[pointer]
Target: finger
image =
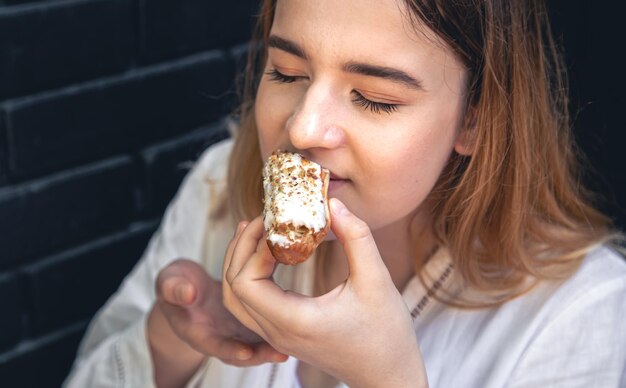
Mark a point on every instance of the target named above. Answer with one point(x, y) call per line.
point(261, 353)
point(245, 247)
point(264, 353)
point(231, 247)
point(252, 262)
point(261, 264)
point(364, 259)
point(178, 290)
point(183, 283)
point(272, 309)
point(254, 299)
point(232, 349)
point(226, 293)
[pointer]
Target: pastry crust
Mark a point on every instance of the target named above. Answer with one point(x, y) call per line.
point(296, 212)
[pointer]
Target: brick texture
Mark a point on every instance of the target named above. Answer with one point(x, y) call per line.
point(71, 286)
point(11, 305)
point(167, 163)
point(43, 362)
point(51, 44)
point(3, 152)
point(69, 207)
point(104, 106)
point(79, 124)
point(169, 29)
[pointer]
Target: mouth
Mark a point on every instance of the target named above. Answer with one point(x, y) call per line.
point(336, 183)
point(335, 177)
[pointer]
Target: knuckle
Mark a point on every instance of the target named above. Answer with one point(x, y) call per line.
point(230, 275)
point(231, 304)
point(237, 286)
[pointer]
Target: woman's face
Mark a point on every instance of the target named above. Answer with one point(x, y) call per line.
point(352, 86)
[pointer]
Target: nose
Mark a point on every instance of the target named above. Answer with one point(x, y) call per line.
point(316, 121)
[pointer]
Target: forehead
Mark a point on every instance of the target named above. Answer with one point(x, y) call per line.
point(358, 30)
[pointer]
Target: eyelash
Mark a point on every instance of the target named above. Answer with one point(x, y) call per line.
point(358, 99)
point(375, 107)
point(275, 75)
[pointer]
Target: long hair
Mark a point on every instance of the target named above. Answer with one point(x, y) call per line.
point(515, 209)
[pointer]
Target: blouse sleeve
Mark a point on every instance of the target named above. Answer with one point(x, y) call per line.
point(114, 351)
point(584, 346)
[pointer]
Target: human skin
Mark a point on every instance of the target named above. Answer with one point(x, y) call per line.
point(188, 323)
point(388, 158)
point(383, 164)
point(352, 86)
point(385, 159)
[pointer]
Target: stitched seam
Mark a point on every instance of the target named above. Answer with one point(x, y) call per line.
point(270, 382)
point(119, 364)
point(421, 305)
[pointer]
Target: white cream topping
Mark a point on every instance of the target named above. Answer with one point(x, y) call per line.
point(293, 195)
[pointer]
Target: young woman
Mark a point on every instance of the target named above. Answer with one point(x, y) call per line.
point(466, 254)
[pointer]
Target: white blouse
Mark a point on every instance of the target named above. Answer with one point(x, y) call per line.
point(562, 334)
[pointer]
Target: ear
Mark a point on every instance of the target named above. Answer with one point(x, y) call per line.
point(466, 138)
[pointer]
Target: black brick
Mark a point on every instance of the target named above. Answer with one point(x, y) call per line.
point(239, 57)
point(11, 307)
point(114, 115)
point(167, 163)
point(172, 28)
point(3, 153)
point(71, 286)
point(41, 363)
point(42, 216)
point(15, 2)
point(46, 45)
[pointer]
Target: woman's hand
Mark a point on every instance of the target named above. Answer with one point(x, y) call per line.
point(361, 332)
point(189, 322)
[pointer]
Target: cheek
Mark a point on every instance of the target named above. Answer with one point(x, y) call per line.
point(274, 105)
point(401, 178)
point(401, 185)
point(268, 120)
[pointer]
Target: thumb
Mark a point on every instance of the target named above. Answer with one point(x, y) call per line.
point(182, 283)
point(177, 290)
point(356, 237)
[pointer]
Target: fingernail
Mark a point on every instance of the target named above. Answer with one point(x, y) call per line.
point(181, 292)
point(243, 354)
point(337, 207)
point(280, 358)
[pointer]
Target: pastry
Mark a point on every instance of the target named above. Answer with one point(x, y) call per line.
point(295, 206)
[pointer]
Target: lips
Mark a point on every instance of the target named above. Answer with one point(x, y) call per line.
point(335, 177)
point(336, 183)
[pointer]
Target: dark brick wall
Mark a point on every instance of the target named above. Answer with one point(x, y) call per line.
point(593, 34)
point(103, 104)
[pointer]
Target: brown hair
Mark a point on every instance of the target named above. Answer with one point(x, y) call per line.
point(515, 210)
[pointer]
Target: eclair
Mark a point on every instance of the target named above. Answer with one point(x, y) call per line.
point(295, 206)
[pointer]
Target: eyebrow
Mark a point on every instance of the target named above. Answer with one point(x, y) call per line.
point(286, 45)
point(384, 72)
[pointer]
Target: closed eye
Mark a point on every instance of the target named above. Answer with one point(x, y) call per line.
point(373, 106)
point(277, 76)
point(358, 98)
